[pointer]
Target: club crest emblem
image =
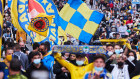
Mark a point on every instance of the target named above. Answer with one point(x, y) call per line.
point(40, 24)
point(86, 49)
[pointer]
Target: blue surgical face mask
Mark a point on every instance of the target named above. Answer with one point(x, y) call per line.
point(79, 63)
point(117, 51)
point(98, 69)
point(112, 16)
point(37, 61)
point(113, 25)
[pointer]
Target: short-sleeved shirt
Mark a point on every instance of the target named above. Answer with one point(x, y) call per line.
point(4, 69)
point(17, 76)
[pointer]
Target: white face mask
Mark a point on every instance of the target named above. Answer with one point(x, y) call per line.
point(131, 58)
point(121, 50)
point(37, 61)
point(79, 63)
point(110, 53)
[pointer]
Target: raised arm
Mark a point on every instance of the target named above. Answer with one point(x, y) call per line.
point(63, 62)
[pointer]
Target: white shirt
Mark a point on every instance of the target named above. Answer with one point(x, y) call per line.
point(122, 30)
point(6, 7)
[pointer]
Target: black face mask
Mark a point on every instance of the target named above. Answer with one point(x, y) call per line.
point(42, 52)
point(120, 64)
point(8, 31)
point(23, 49)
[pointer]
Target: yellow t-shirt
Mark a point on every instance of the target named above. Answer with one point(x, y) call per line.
point(77, 72)
point(136, 77)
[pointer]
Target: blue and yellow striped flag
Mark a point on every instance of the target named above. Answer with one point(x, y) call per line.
point(79, 21)
point(1, 23)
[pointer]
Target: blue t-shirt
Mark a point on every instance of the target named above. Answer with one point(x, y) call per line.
point(4, 69)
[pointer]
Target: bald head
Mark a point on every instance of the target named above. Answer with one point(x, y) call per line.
point(21, 44)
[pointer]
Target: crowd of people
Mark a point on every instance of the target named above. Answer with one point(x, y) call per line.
point(121, 21)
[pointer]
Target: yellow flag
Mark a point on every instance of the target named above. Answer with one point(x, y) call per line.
point(1, 23)
point(14, 16)
point(40, 24)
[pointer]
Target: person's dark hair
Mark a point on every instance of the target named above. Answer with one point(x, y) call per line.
point(34, 54)
point(80, 55)
point(135, 60)
point(35, 45)
point(10, 42)
point(130, 34)
point(46, 45)
point(134, 47)
point(17, 46)
point(15, 65)
point(99, 56)
point(67, 43)
point(133, 33)
point(3, 40)
point(135, 41)
point(9, 48)
point(110, 45)
point(130, 16)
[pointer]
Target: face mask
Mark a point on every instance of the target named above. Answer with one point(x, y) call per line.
point(110, 53)
point(121, 50)
point(8, 31)
point(98, 69)
point(113, 26)
point(112, 16)
point(42, 52)
point(79, 63)
point(120, 64)
point(117, 51)
point(22, 49)
point(9, 57)
point(37, 61)
point(131, 58)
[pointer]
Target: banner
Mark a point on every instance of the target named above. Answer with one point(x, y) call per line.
point(135, 1)
point(79, 49)
point(1, 24)
point(25, 10)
